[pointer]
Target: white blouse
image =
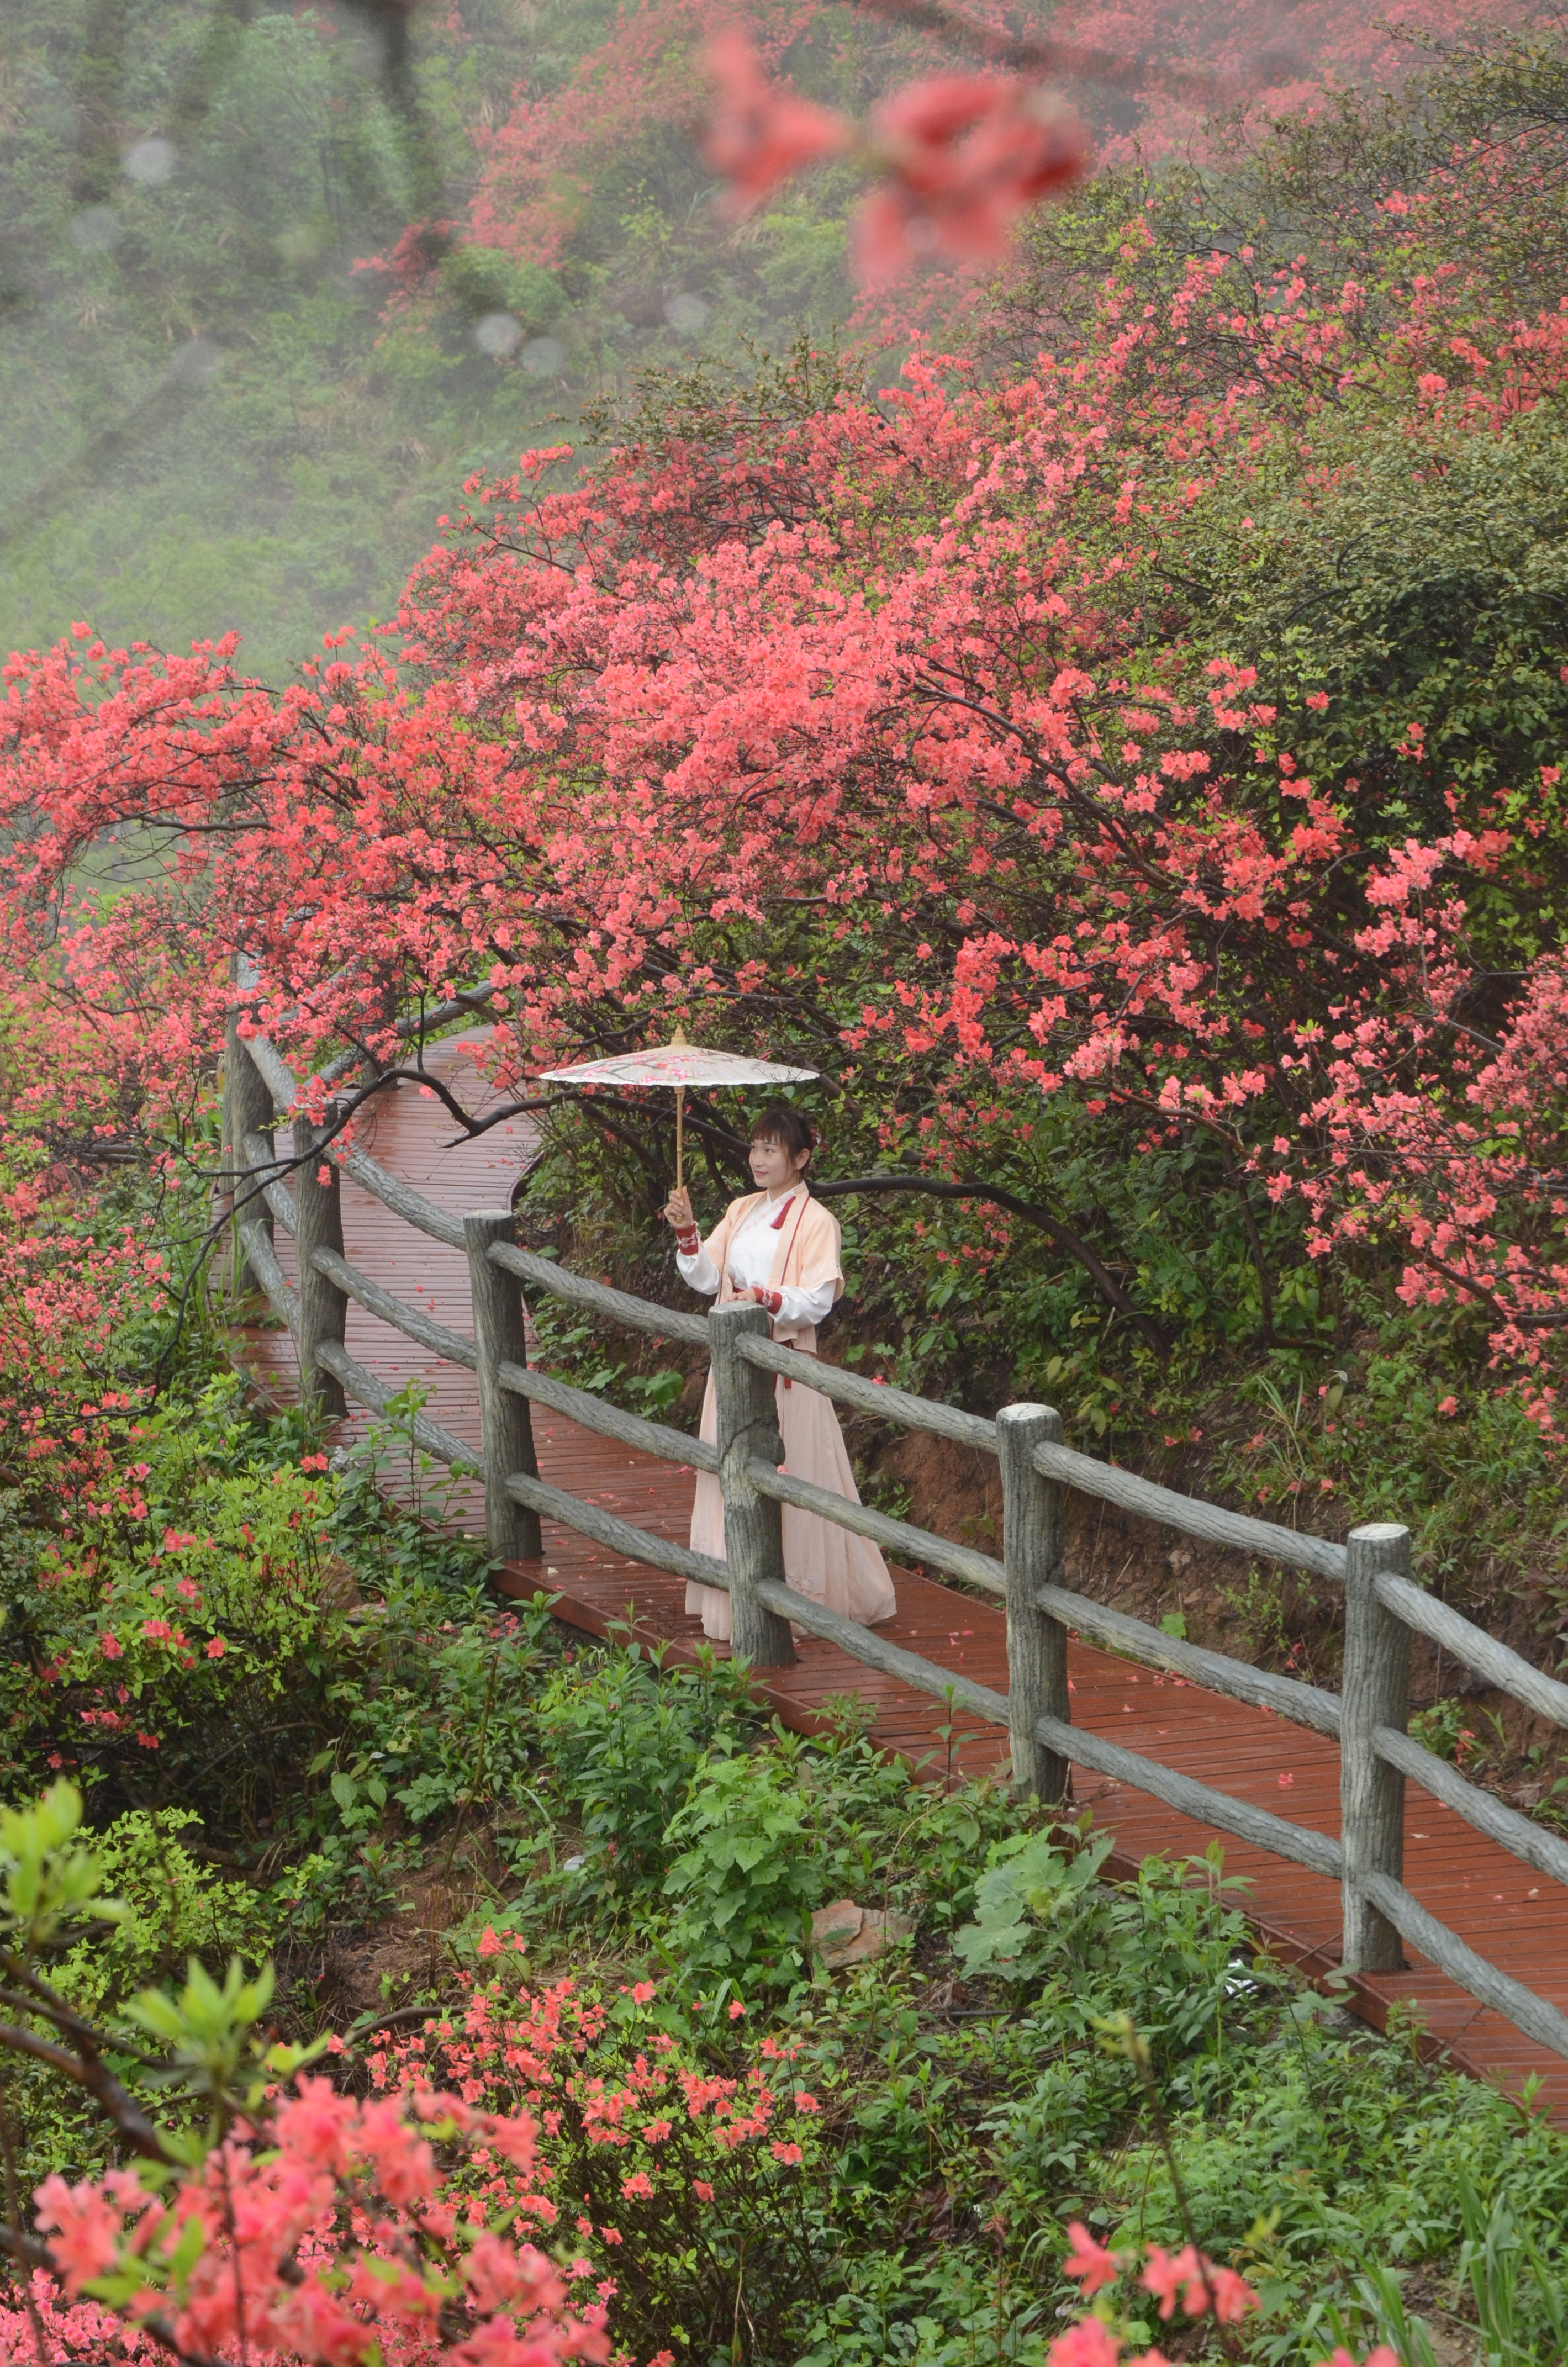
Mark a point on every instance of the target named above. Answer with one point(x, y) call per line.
point(754, 1245)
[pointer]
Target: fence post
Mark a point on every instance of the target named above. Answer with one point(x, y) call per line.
point(1376, 1692)
point(247, 1109)
point(753, 1531)
point(323, 1310)
point(1036, 1643)
point(511, 1529)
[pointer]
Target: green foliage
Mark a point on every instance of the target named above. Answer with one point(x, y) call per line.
point(171, 1907)
point(1379, 1426)
point(625, 1738)
point(50, 1885)
point(747, 1875)
point(1518, 2303)
point(1026, 1905)
point(945, 2310)
point(765, 1838)
point(102, 1925)
point(481, 279)
point(1366, 2162)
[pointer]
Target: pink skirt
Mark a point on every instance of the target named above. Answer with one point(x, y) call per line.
point(837, 1569)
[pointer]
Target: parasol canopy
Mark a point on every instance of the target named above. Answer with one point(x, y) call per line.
point(679, 1064)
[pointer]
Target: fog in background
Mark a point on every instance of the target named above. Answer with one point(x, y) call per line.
point(212, 417)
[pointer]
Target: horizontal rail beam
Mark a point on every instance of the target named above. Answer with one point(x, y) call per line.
point(622, 1536)
point(580, 1406)
point(262, 1258)
point(412, 1206)
point(1518, 1834)
point(662, 1553)
point(1302, 1705)
point(1206, 1806)
point(1536, 2016)
point(1506, 1669)
point(428, 1436)
point(615, 1305)
point(263, 1157)
point(409, 1320)
point(368, 1172)
point(864, 1643)
point(871, 1397)
point(1210, 1523)
point(902, 1536)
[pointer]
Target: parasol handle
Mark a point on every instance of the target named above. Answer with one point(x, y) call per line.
point(680, 1132)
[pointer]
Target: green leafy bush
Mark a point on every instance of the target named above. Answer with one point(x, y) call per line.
point(170, 1909)
point(746, 1876)
point(625, 1738)
point(1028, 1904)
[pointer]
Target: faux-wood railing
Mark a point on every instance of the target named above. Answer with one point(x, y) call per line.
point(1383, 1605)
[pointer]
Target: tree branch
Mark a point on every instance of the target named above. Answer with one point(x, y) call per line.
point(966, 1188)
point(86, 2071)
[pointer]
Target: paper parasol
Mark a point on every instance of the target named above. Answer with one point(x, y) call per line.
point(678, 1064)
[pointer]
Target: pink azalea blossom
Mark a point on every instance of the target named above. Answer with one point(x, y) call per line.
point(1089, 2261)
point(759, 135)
point(1090, 2343)
point(85, 2228)
point(1234, 2298)
point(966, 155)
point(1169, 2275)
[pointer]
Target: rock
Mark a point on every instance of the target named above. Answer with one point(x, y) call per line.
point(845, 1934)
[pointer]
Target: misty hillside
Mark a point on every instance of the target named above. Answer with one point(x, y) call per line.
point(270, 291)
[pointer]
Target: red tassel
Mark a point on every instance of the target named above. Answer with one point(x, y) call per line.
point(777, 1224)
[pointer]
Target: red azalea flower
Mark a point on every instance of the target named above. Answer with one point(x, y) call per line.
point(759, 135)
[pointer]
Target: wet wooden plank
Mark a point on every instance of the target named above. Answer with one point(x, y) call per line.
point(1500, 1907)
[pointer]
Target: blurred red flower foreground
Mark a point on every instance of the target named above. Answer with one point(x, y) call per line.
point(958, 158)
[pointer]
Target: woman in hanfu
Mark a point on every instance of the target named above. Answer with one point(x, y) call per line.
point(779, 1248)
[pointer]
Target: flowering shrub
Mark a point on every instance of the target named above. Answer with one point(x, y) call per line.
point(1146, 80)
point(324, 2232)
point(74, 1295)
point(1043, 883)
point(1185, 2284)
point(669, 2173)
point(960, 157)
point(281, 2214)
point(181, 1589)
point(407, 2223)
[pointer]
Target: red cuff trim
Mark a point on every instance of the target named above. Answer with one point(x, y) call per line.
point(773, 1300)
point(688, 1243)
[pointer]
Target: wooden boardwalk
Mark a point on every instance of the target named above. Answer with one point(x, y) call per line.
point(1498, 1905)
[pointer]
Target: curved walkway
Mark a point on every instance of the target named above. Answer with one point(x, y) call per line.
point(1499, 1905)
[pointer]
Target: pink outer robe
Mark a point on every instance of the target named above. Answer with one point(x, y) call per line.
point(846, 1573)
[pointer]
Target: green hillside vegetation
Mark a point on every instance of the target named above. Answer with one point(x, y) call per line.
point(205, 423)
